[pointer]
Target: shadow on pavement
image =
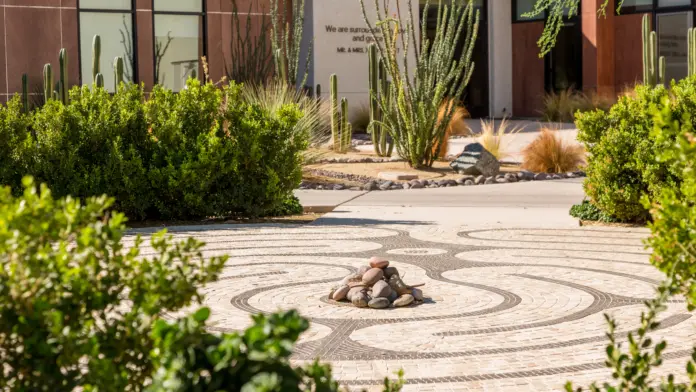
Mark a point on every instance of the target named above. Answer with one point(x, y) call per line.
point(335, 221)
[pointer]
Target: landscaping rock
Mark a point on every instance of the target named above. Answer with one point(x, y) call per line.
point(381, 289)
point(511, 177)
point(393, 296)
point(469, 183)
point(353, 292)
point(490, 180)
point(378, 262)
point(339, 187)
point(406, 185)
point(541, 177)
point(378, 303)
point(389, 271)
point(417, 294)
point(476, 160)
point(359, 300)
point(480, 180)
point(371, 186)
point(416, 185)
point(340, 293)
point(372, 276)
point(501, 181)
point(351, 278)
point(404, 300)
point(362, 270)
point(386, 185)
point(396, 176)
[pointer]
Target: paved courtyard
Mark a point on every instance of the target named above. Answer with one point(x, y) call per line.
point(515, 290)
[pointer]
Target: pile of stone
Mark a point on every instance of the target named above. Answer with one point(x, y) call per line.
point(377, 286)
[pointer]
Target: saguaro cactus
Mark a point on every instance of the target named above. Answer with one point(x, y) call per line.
point(118, 72)
point(96, 56)
point(378, 86)
point(341, 129)
point(653, 68)
point(25, 93)
point(691, 39)
point(48, 82)
point(63, 89)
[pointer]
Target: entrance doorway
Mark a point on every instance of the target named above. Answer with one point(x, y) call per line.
point(564, 63)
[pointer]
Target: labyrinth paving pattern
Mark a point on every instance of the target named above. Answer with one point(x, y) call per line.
point(505, 309)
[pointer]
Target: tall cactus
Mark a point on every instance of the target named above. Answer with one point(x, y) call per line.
point(48, 82)
point(96, 56)
point(63, 89)
point(653, 67)
point(378, 86)
point(691, 39)
point(341, 129)
point(118, 72)
point(99, 80)
point(318, 91)
point(25, 93)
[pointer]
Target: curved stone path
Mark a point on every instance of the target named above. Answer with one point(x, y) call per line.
point(511, 309)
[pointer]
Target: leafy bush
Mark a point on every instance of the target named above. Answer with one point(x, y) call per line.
point(202, 152)
point(623, 164)
point(588, 211)
point(76, 305)
point(549, 153)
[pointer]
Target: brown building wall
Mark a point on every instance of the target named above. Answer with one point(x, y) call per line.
point(629, 57)
point(32, 32)
point(528, 77)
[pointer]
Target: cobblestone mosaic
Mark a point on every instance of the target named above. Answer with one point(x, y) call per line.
point(505, 309)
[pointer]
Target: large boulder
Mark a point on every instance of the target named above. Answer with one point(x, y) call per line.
point(475, 160)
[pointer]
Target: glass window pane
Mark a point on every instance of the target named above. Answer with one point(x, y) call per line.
point(178, 48)
point(524, 6)
point(106, 4)
point(637, 3)
point(672, 3)
point(116, 32)
point(179, 5)
point(672, 43)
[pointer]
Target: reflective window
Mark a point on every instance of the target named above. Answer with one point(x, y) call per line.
point(116, 32)
point(522, 7)
point(672, 43)
point(178, 42)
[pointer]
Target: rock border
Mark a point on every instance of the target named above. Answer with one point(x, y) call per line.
point(385, 185)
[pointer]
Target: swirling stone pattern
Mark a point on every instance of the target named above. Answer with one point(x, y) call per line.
point(505, 309)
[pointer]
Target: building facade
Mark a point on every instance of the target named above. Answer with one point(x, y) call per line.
point(162, 42)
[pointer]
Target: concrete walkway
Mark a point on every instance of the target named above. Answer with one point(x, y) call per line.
point(515, 289)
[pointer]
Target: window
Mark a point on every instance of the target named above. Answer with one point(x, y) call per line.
point(113, 21)
point(672, 43)
point(521, 7)
point(179, 41)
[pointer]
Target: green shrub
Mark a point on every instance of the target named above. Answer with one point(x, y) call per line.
point(200, 153)
point(588, 211)
point(76, 306)
point(623, 165)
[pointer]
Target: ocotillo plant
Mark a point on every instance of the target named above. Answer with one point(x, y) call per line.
point(341, 129)
point(653, 68)
point(96, 56)
point(118, 72)
point(378, 86)
point(419, 92)
point(48, 82)
point(63, 89)
point(691, 39)
point(25, 93)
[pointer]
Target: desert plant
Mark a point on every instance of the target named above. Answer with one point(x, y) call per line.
point(118, 72)
point(48, 82)
point(63, 88)
point(654, 67)
point(691, 53)
point(286, 42)
point(379, 86)
point(410, 109)
point(96, 56)
point(77, 305)
point(456, 127)
point(25, 93)
point(161, 48)
point(341, 129)
point(251, 55)
point(496, 140)
point(549, 153)
point(590, 212)
point(563, 105)
point(360, 118)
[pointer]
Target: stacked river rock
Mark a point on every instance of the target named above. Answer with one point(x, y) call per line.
point(377, 286)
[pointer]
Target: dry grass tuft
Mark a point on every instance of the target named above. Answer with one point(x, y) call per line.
point(562, 106)
point(360, 118)
point(497, 140)
point(548, 153)
point(456, 127)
